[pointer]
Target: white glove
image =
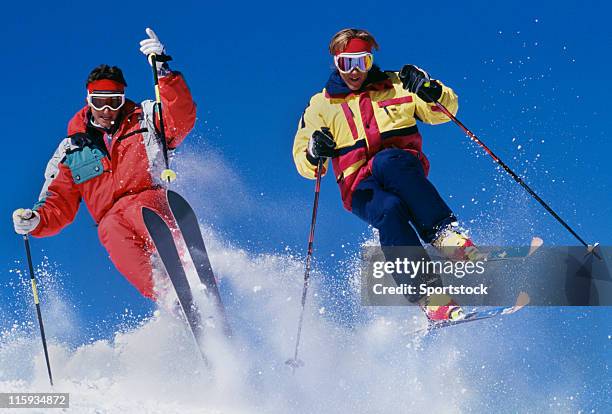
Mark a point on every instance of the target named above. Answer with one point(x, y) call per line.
point(25, 220)
point(152, 45)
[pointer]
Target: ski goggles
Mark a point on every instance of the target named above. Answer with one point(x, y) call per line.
point(101, 101)
point(346, 62)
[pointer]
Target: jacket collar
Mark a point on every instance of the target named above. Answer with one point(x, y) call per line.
point(376, 80)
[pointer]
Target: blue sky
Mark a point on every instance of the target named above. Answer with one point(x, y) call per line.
point(532, 77)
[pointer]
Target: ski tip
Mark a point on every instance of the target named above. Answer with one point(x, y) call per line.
point(536, 243)
point(522, 300)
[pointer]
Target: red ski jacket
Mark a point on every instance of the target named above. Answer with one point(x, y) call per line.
point(83, 166)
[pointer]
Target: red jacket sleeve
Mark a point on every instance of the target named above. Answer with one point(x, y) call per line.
point(59, 201)
point(178, 108)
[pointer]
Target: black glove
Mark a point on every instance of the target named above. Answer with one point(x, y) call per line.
point(321, 144)
point(80, 139)
point(414, 79)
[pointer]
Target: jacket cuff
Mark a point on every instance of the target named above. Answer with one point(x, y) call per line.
point(163, 70)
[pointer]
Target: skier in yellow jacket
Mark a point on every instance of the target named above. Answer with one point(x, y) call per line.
point(365, 121)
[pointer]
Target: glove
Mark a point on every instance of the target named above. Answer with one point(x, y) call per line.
point(152, 45)
point(321, 144)
point(416, 80)
point(80, 139)
point(25, 220)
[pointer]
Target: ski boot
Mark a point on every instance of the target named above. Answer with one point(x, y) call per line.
point(454, 243)
point(440, 308)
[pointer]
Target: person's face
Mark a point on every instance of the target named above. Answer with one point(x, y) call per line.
point(354, 79)
point(353, 67)
point(105, 118)
point(105, 107)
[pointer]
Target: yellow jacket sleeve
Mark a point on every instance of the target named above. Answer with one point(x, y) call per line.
point(429, 113)
point(311, 120)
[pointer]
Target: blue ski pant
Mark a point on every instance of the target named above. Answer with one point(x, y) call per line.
point(399, 201)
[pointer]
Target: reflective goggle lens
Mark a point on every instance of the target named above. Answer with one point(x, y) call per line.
point(101, 101)
point(347, 62)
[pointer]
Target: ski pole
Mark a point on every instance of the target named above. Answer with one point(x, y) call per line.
point(295, 362)
point(26, 240)
point(515, 176)
point(167, 174)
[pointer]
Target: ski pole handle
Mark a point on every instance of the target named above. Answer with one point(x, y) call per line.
point(30, 216)
point(159, 58)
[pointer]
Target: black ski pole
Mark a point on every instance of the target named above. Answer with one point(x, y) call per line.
point(473, 137)
point(167, 174)
point(37, 303)
point(295, 362)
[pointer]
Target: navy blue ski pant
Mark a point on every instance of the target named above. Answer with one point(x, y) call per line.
point(402, 204)
point(398, 199)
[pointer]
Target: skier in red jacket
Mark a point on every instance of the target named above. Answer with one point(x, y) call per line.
point(112, 158)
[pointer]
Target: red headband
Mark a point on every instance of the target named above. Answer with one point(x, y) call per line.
point(105, 85)
point(356, 45)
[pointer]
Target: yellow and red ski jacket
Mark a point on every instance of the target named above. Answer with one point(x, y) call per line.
point(381, 115)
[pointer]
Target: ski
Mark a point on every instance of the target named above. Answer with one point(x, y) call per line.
point(478, 314)
point(499, 254)
point(164, 243)
point(516, 252)
point(188, 224)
